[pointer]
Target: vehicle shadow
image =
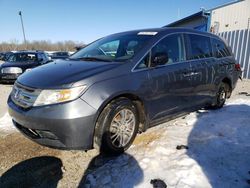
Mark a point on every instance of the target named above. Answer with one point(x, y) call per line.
point(106, 171)
point(219, 143)
point(112, 171)
point(42, 171)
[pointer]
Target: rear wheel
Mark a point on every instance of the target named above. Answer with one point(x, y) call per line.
point(117, 126)
point(221, 96)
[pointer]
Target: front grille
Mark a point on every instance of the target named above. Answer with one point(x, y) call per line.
point(24, 96)
point(9, 76)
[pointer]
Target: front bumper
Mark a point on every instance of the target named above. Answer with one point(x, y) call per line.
point(67, 126)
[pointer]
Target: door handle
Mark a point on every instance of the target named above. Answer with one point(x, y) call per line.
point(195, 73)
point(185, 74)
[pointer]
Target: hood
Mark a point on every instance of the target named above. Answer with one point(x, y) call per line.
point(62, 73)
point(23, 65)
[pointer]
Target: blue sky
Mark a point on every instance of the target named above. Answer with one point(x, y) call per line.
point(87, 20)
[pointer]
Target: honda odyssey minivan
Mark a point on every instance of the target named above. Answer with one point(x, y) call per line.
point(122, 84)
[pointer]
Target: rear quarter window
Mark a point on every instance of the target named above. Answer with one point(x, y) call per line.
point(200, 47)
point(220, 49)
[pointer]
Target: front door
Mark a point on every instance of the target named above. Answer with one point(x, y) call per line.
point(170, 85)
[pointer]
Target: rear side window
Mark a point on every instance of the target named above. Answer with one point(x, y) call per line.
point(200, 47)
point(173, 46)
point(220, 48)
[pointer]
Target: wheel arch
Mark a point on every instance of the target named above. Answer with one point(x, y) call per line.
point(139, 104)
point(228, 81)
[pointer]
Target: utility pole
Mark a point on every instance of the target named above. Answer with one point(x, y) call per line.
point(24, 38)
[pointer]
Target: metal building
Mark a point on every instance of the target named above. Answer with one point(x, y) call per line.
point(231, 17)
point(197, 21)
point(230, 21)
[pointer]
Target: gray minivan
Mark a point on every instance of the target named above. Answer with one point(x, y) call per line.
point(122, 84)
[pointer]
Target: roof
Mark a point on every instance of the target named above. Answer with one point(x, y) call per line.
point(188, 18)
point(224, 5)
point(142, 30)
point(8, 52)
point(166, 30)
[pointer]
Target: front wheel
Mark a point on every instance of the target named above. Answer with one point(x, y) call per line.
point(117, 126)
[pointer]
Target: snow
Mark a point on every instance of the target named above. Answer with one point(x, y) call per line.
point(6, 126)
point(218, 154)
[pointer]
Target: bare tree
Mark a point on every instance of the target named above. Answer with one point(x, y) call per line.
point(46, 45)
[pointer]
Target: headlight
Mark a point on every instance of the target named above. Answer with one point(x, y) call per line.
point(12, 70)
point(58, 96)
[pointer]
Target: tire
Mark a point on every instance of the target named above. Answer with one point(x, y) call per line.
point(221, 96)
point(116, 127)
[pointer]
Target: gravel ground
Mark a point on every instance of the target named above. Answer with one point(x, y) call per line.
point(27, 164)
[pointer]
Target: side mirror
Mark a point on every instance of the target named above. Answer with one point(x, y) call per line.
point(159, 58)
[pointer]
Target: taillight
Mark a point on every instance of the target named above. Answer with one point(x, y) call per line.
point(237, 67)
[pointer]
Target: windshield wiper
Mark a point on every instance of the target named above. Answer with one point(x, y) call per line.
point(91, 59)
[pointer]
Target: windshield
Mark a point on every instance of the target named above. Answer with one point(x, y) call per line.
point(4, 56)
point(22, 57)
point(113, 48)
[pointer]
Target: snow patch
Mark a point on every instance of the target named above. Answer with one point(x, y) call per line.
point(6, 125)
point(218, 154)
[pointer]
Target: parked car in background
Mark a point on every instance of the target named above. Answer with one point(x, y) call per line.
point(19, 62)
point(48, 55)
point(122, 84)
point(4, 56)
point(79, 47)
point(60, 55)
